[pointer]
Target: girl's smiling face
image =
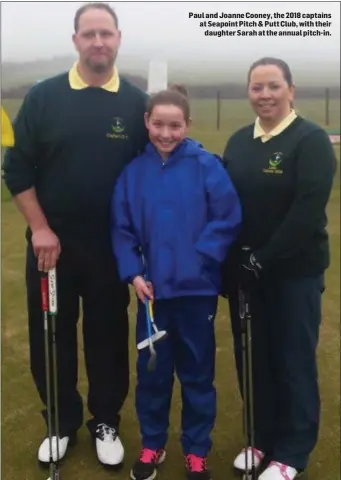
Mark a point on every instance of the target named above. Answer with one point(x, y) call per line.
point(167, 127)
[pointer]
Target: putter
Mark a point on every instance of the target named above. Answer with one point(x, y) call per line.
point(245, 317)
point(157, 335)
point(152, 337)
point(49, 306)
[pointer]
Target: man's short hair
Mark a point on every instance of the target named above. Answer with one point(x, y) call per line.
point(92, 5)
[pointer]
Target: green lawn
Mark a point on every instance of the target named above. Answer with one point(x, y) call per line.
point(22, 428)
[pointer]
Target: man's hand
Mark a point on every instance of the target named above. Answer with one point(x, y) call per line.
point(143, 289)
point(250, 270)
point(46, 248)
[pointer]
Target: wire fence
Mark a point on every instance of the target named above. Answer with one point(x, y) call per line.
point(230, 114)
point(227, 115)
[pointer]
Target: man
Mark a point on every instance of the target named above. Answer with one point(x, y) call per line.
point(74, 134)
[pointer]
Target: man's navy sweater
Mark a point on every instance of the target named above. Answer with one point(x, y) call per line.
point(71, 145)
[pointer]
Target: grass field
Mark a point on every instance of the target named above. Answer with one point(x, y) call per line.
point(22, 428)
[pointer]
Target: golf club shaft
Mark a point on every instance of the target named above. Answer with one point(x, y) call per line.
point(52, 283)
point(151, 315)
point(152, 360)
point(250, 383)
point(247, 374)
point(245, 395)
point(45, 307)
point(242, 317)
point(149, 322)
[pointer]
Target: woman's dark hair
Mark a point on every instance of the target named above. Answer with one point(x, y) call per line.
point(174, 95)
point(281, 64)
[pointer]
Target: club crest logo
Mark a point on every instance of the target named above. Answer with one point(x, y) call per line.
point(118, 129)
point(275, 164)
point(118, 125)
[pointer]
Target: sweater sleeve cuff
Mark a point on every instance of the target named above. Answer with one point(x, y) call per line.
point(16, 188)
point(131, 278)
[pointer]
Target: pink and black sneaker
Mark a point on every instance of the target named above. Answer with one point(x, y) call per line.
point(197, 467)
point(145, 468)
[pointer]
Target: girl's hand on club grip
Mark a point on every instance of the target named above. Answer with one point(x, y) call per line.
point(143, 289)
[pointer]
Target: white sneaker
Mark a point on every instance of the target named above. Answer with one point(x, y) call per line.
point(110, 451)
point(44, 449)
point(239, 461)
point(278, 471)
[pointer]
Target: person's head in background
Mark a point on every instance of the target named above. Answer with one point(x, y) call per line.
point(96, 37)
point(270, 90)
point(168, 118)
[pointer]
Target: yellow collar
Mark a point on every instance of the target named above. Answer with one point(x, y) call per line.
point(77, 83)
point(259, 132)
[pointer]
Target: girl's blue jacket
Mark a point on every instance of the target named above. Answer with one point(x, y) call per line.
point(181, 215)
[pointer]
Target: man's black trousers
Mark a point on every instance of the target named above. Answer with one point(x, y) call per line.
point(89, 274)
point(286, 317)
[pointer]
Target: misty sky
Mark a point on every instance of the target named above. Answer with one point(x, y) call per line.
point(163, 30)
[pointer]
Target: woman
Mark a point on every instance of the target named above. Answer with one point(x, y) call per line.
point(282, 167)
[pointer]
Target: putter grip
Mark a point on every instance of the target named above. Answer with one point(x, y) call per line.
point(151, 313)
point(44, 293)
point(52, 285)
point(245, 254)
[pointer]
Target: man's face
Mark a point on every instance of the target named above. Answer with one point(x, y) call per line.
point(97, 40)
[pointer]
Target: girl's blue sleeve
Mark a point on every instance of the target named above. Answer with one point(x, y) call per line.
point(125, 244)
point(224, 208)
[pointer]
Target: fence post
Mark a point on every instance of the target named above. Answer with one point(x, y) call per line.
point(218, 110)
point(327, 107)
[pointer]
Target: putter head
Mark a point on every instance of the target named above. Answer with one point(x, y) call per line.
point(159, 335)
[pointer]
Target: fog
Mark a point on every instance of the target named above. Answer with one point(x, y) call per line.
point(163, 30)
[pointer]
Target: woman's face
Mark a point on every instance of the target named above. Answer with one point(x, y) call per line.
point(269, 93)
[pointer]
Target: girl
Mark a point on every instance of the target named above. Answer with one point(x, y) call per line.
point(283, 168)
point(176, 204)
